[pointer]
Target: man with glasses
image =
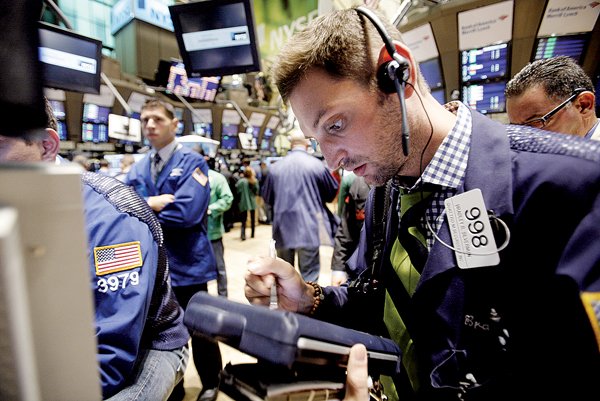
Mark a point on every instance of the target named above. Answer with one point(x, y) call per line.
point(554, 94)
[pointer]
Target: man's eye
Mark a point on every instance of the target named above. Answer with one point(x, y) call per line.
point(335, 126)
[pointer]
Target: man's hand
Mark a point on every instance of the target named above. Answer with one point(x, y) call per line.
point(293, 293)
point(357, 377)
point(158, 203)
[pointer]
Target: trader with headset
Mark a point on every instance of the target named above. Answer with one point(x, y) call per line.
point(490, 269)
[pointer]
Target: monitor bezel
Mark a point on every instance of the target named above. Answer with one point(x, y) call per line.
point(178, 10)
point(71, 85)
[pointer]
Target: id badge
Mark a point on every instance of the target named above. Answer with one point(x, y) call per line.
point(471, 231)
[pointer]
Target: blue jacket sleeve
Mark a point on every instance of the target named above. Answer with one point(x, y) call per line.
point(123, 271)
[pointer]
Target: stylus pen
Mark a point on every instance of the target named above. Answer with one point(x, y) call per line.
point(273, 302)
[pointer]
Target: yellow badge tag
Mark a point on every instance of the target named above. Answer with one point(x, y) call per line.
point(118, 257)
point(200, 177)
point(591, 302)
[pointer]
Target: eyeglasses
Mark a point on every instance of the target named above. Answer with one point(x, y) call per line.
point(542, 121)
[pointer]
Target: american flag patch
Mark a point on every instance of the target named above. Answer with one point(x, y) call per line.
point(114, 258)
point(591, 302)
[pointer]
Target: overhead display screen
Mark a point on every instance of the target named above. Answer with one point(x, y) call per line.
point(485, 97)
point(485, 63)
point(572, 46)
point(216, 37)
point(69, 61)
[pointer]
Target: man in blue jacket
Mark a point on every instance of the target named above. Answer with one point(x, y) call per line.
point(142, 341)
point(174, 181)
point(485, 269)
point(297, 189)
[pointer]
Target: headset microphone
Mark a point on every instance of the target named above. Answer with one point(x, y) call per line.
point(392, 72)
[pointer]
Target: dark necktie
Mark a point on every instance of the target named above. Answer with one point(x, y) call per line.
point(155, 164)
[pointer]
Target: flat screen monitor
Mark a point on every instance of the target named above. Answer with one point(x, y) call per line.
point(247, 141)
point(70, 61)
point(432, 72)
point(124, 129)
point(172, 76)
point(204, 129)
point(62, 130)
point(484, 63)
point(229, 141)
point(485, 97)
point(570, 45)
point(216, 37)
point(91, 132)
point(58, 108)
point(92, 113)
point(230, 129)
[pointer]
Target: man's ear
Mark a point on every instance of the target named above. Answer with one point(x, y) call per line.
point(50, 145)
point(174, 123)
point(586, 102)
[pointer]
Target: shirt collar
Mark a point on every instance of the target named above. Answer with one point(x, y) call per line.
point(592, 132)
point(166, 152)
point(448, 165)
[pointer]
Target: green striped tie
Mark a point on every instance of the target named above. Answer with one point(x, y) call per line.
point(404, 257)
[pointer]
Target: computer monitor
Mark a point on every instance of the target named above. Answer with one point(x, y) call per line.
point(484, 63)
point(432, 72)
point(229, 141)
point(172, 76)
point(124, 129)
point(70, 61)
point(573, 46)
point(92, 132)
point(230, 129)
point(63, 133)
point(205, 129)
point(216, 37)
point(247, 141)
point(48, 345)
point(92, 113)
point(485, 97)
point(58, 108)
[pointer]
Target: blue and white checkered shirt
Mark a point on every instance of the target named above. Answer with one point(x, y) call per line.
point(446, 170)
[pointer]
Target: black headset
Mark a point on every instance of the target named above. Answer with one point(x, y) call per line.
point(393, 74)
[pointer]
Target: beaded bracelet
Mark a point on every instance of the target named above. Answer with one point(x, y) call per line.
point(317, 298)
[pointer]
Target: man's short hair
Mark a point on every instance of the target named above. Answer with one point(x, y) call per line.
point(158, 104)
point(51, 118)
point(343, 43)
point(558, 76)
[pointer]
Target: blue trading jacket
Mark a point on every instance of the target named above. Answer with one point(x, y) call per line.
point(135, 307)
point(184, 222)
point(297, 187)
point(529, 326)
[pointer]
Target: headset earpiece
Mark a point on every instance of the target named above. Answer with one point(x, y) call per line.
point(384, 81)
point(386, 67)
